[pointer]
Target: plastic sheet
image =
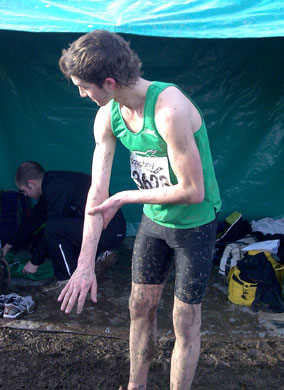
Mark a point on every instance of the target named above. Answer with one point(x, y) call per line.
point(238, 85)
point(182, 18)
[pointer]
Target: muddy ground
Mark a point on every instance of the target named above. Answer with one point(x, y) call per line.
point(240, 350)
point(40, 360)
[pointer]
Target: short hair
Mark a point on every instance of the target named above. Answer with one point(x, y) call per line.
point(100, 54)
point(28, 170)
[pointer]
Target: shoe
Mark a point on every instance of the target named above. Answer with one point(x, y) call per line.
point(19, 306)
point(56, 286)
point(104, 261)
point(6, 299)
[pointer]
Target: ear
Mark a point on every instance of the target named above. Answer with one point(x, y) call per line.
point(110, 83)
point(31, 183)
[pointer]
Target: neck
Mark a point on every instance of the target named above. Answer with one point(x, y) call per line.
point(133, 97)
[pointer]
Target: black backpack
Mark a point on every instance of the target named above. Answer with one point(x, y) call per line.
point(5, 273)
point(258, 269)
point(14, 208)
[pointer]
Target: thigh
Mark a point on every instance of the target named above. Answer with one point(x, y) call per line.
point(152, 257)
point(114, 234)
point(68, 229)
point(193, 260)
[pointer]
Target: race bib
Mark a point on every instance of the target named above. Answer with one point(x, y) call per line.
point(149, 172)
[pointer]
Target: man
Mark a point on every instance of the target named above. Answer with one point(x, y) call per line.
point(61, 205)
point(172, 165)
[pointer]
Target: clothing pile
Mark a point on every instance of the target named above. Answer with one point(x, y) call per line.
point(14, 306)
point(252, 261)
point(17, 262)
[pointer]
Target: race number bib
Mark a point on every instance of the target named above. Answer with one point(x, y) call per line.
point(149, 172)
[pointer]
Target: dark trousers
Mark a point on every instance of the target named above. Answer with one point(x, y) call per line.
point(63, 239)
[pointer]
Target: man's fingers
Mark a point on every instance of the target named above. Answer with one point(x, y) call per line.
point(77, 290)
point(82, 299)
point(94, 292)
point(69, 298)
point(63, 291)
point(94, 210)
point(69, 301)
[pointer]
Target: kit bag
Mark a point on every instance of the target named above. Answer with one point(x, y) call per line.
point(256, 281)
point(5, 273)
point(278, 267)
point(240, 292)
point(14, 208)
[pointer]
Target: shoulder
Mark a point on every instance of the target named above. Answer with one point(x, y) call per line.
point(173, 108)
point(51, 177)
point(102, 123)
point(103, 115)
point(172, 99)
point(52, 181)
point(59, 182)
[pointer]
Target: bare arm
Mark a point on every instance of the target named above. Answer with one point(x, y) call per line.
point(84, 278)
point(176, 122)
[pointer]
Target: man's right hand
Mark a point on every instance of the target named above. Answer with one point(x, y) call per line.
point(6, 249)
point(77, 288)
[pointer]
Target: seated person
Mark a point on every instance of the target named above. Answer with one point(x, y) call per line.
point(61, 197)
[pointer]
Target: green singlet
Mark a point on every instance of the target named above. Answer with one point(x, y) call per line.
point(150, 166)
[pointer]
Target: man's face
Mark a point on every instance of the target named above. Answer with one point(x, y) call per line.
point(101, 96)
point(31, 189)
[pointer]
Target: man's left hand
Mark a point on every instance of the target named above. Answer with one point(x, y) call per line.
point(108, 209)
point(30, 268)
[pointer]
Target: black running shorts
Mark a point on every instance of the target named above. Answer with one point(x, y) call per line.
point(157, 247)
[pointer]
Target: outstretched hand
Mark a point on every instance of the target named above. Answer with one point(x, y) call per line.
point(77, 289)
point(108, 209)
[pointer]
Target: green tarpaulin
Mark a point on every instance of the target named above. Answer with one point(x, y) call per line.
point(238, 84)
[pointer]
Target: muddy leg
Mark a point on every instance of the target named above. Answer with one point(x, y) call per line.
point(187, 321)
point(143, 304)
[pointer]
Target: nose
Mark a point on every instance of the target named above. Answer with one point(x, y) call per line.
point(82, 92)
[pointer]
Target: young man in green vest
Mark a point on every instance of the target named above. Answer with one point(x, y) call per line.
point(172, 166)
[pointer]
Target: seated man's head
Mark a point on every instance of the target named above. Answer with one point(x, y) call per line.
point(28, 178)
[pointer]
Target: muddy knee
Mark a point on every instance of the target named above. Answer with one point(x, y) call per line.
point(186, 320)
point(139, 307)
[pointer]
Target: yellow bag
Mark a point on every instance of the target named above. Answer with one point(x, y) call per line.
point(240, 292)
point(243, 293)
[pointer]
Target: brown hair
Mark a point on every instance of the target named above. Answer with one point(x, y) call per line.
point(28, 170)
point(100, 54)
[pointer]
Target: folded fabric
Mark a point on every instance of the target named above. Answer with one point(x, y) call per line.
point(232, 254)
point(17, 263)
point(268, 225)
point(270, 246)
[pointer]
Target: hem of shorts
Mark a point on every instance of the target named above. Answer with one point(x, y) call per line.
point(172, 226)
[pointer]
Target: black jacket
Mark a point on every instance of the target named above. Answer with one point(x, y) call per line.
point(64, 194)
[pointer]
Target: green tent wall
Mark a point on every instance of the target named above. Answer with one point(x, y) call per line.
point(238, 84)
